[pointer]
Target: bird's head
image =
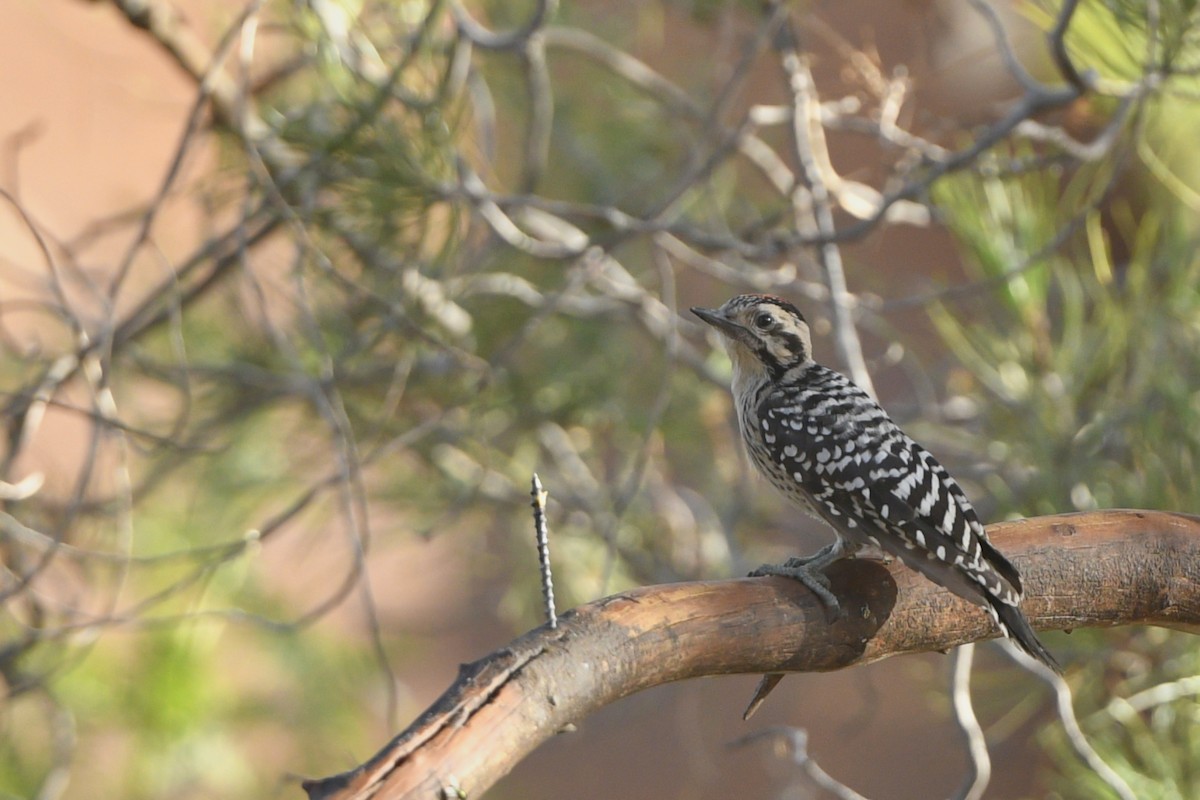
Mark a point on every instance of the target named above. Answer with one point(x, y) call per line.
point(762, 334)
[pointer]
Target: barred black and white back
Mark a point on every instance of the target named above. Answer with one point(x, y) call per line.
point(830, 448)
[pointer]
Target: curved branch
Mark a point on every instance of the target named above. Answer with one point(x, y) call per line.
point(1081, 570)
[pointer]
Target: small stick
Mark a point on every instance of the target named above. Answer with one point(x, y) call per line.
point(768, 682)
point(543, 547)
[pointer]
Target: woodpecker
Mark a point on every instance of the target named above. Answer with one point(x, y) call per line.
point(830, 449)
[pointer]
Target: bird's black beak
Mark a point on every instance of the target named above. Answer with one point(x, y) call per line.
point(726, 326)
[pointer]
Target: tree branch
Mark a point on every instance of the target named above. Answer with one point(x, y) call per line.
point(1081, 570)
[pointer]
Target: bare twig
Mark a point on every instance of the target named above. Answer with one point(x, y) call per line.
point(543, 549)
point(509, 40)
point(796, 742)
point(1057, 36)
point(964, 716)
point(1066, 715)
point(812, 156)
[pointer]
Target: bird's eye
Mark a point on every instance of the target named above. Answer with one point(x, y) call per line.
point(764, 321)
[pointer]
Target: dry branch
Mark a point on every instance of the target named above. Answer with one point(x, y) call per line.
point(1081, 570)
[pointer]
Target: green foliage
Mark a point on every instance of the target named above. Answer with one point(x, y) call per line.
point(1113, 40)
point(1073, 354)
point(1141, 715)
point(1083, 359)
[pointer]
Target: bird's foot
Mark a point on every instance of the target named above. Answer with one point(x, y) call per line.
point(809, 570)
point(808, 573)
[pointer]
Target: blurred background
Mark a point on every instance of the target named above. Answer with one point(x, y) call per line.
point(295, 296)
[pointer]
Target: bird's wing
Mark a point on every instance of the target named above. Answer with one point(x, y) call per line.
point(875, 483)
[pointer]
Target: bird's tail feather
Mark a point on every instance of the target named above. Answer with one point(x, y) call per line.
point(1015, 626)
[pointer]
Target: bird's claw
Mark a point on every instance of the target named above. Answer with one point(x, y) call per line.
point(800, 569)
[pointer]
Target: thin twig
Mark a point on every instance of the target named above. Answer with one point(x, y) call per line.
point(542, 533)
point(1058, 47)
point(796, 741)
point(812, 156)
point(964, 716)
point(1066, 714)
